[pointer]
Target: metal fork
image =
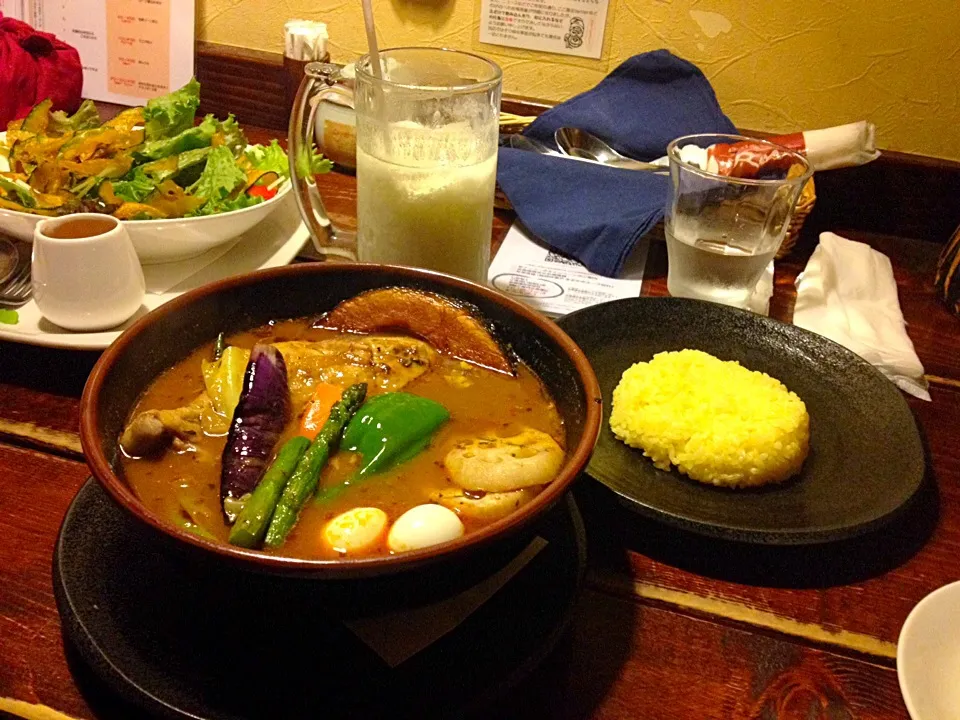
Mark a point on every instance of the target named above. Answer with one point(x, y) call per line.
point(16, 291)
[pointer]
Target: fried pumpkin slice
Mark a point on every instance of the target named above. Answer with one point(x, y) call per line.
point(126, 121)
point(138, 211)
point(172, 200)
point(451, 327)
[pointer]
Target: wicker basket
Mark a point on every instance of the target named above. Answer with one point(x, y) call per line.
point(948, 273)
point(808, 197)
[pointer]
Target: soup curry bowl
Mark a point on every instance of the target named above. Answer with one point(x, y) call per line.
point(254, 309)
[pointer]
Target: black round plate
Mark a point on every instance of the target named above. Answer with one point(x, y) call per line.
point(182, 640)
point(866, 459)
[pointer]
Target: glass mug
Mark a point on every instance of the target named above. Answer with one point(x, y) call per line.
point(427, 134)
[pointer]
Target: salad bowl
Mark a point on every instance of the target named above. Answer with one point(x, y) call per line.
point(180, 185)
point(168, 239)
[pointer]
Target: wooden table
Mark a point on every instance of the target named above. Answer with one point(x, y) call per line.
point(669, 626)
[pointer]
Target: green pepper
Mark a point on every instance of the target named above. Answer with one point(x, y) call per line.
point(392, 428)
point(388, 430)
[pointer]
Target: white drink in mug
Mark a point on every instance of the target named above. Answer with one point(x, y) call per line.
point(425, 198)
point(427, 131)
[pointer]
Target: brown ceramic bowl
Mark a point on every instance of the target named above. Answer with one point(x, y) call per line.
point(166, 335)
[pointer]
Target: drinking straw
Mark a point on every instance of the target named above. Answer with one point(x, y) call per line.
point(374, 53)
point(372, 38)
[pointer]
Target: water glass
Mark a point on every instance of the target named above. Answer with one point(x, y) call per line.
point(722, 231)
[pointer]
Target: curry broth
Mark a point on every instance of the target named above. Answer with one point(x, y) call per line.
point(184, 486)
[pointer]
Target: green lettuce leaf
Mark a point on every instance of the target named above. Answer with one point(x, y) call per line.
point(169, 115)
point(136, 188)
point(269, 158)
point(238, 203)
point(310, 162)
point(9, 317)
point(189, 139)
point(272, 158)
point(86, 117)
point(219, 178)
point(20, 189)
point(160, 170)
point(233, 136)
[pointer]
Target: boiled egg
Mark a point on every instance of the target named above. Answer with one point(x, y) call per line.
point(423, 526)
point(356, 531)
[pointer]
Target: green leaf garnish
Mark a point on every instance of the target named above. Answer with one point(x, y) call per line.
point(171, 114)
point(311, 162)
point(238, 203)
point(219, 178)
point(269, 158)
point(233, 136)
point(189, 139)
point(135, 189)
point(86, 117)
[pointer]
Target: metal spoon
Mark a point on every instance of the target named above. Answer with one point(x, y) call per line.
point(581, 144)
point(9, 259)
point(522, 142)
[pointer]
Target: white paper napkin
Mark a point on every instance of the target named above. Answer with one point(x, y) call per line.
point(847, 293)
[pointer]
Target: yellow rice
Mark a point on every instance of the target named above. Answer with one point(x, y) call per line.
point(715, 420)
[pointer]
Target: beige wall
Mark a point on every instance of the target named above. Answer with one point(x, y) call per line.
point(777, 65)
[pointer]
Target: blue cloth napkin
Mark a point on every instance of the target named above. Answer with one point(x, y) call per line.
point(597, 214)
point(593, 213)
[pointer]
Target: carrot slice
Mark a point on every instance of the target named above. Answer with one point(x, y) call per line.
point(325, 396)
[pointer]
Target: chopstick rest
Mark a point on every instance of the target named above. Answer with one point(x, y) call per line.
point(848, 293)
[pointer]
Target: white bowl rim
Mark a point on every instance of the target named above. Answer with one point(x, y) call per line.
point(907, 629)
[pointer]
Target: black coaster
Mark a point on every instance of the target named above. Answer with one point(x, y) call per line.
point(185, 639)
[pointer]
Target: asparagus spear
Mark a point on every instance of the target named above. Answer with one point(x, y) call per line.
point(252, 523)
point(307, 474)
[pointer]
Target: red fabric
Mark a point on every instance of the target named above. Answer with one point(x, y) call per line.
point(35, 66)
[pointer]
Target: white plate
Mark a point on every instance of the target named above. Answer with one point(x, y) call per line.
point(275, 241)
point(928, 656)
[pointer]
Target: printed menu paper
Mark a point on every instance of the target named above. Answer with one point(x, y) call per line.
point(554, 284)
point(568, 27)
point(131, 50)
